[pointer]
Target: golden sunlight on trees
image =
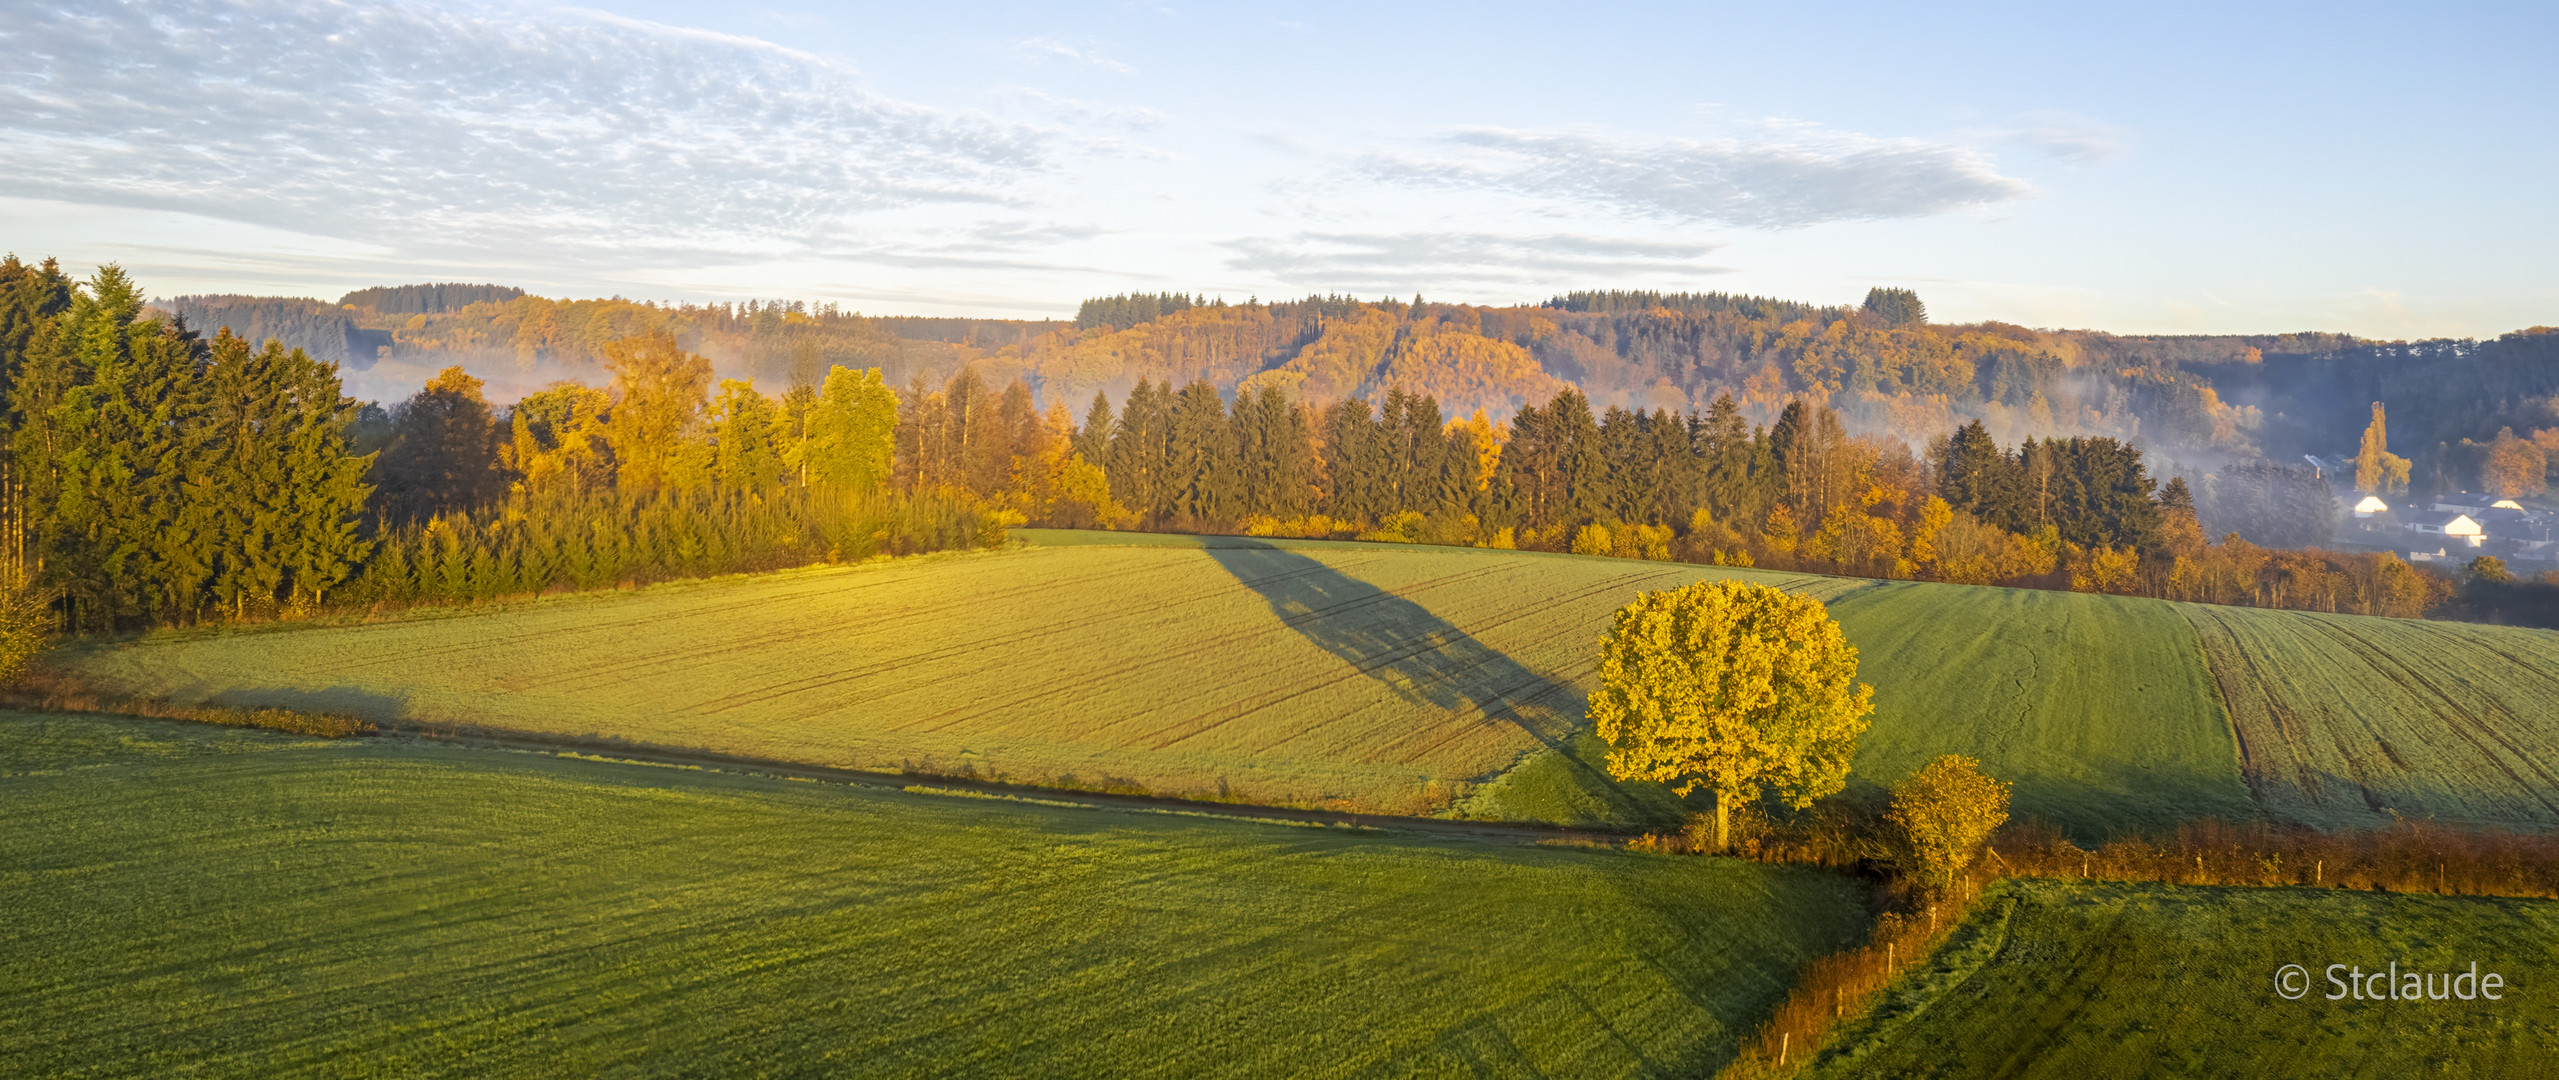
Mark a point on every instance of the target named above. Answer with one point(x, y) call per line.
point(1741, 689)
point(1942, 813)
point(2377, 470)
point(559, 439)
point(849, 431)
point(2514, 466)
point(26, 621)
point(658, 393)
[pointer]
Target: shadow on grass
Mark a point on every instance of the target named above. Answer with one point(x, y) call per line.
point(1427, 660)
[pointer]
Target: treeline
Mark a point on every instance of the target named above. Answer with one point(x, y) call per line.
point(1129, 309)
point(2080, 513)
point(429, 299)
point(156, 476)
point(328, 333)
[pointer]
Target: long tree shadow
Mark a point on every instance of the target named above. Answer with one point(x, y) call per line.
point(1422, 657)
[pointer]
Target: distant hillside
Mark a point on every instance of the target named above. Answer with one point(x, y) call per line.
point(325, 331)
point(2194, 398)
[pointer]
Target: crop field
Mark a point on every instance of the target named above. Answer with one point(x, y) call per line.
point(197, 901)
point(2098, 709)
point(2344, 718)
point(1379, 677)
point(1404, 679)
point(1367, 676)
point(2055, 979)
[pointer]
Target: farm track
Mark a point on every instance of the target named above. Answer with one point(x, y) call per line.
point(491, 739)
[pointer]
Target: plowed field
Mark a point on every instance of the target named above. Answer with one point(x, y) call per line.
point(2344, 719)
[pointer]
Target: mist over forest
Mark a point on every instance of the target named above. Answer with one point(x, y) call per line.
point(2197, 402)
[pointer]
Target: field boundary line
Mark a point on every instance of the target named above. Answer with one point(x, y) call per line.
point(475, 737)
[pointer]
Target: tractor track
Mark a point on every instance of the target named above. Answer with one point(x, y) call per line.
point(739, 764)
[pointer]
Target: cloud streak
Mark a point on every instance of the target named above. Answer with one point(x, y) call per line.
point(1395, 262)
point(453, 129)
point(1793, 179)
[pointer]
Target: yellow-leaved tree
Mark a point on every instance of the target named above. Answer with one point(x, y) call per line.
point(850, 431)
point(1943, 812)
point(1741, 689)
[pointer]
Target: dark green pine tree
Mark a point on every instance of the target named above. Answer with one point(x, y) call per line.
point(1093, 440)
point(1139, 446)
point(118, 546)
point(240, 524)
point(1971, 473)
point(1411, 452)
point(1354, 462)
point(1576, 437)
point(1625, 466)
point(1262, 423)
point(1200, 464)
point(325, 490)
point(1458, 461)
point(1724, 446)
point(1297, 469)
point(30, 298)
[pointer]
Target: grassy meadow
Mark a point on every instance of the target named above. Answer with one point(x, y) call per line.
point(2064, 979)
point(1384, 678)
point(2346, 718)
point(196, 901)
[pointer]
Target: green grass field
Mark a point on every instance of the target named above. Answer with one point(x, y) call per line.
point(2346, 717)
point(205, 902)
point(2054, 979)
point(1361, 676)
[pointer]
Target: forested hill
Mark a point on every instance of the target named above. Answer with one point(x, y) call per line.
point(1881, 363)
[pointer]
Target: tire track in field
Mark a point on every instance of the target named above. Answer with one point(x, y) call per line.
point(830, 624)
point(2256, 765)
point(693, 656)
point(2458, 719)
point(773, 692)
point(1213, 644)
point(542, 630)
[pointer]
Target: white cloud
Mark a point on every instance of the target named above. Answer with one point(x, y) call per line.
point(2071, 138)
point(1043, 48)
point(1794, 176)
point(448, 130)
point(1464, 261)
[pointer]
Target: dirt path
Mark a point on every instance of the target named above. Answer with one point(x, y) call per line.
point(751, 766)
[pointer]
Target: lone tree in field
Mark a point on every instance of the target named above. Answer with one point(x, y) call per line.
point(1740, 689)
point(1945, 811)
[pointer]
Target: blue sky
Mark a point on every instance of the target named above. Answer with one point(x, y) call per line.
point(2388, 171)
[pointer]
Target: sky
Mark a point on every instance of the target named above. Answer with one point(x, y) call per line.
point(2388, 171)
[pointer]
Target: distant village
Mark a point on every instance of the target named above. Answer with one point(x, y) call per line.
point(2449, 528)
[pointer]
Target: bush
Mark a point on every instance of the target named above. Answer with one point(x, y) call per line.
point(1942, 814)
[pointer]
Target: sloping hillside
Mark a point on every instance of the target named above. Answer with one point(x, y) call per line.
point(1372, 676)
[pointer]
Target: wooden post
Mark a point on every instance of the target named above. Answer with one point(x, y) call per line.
point(1888, 958)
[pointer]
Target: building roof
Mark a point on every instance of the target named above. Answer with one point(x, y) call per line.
point(2477, 500)
point(2444, 521)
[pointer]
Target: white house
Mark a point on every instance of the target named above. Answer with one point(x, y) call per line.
point(2452, 526)
point(2467, 502)
point(2371, 504)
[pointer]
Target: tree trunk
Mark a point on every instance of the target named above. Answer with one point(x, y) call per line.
point(1723, 820)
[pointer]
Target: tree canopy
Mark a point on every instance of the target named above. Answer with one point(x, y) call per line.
point(1741, 689)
